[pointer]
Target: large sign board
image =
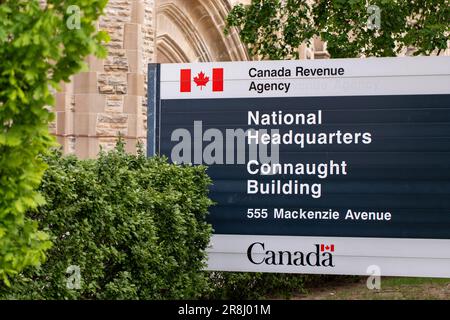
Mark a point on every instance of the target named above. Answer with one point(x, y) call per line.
point(319, 166)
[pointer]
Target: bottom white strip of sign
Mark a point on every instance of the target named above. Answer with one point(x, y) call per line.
point(330, 255)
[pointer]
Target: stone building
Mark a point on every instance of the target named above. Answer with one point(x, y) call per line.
point(110, 98)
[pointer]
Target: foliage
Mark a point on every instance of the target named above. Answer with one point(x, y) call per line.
point(134, 226)
point(38, 51)
point(419, 24)
point(246, 285)
point(273, 29)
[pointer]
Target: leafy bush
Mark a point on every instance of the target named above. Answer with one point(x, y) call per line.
point(134, 226)
point(247, 285)
point(274, 29)
point(37, 52)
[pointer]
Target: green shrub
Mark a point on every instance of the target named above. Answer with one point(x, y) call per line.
point(134, 226)
point(37, 51)
point(247, 285)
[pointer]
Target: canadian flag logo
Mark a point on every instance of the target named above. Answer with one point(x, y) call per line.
point(201, 80)
point(327, 247)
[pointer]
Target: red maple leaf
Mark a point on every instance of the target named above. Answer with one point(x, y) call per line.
point(200, 80)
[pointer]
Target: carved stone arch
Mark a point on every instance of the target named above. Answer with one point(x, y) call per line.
point(233, 48)
point(193, 31)
point(177, 26)
point(170, 51)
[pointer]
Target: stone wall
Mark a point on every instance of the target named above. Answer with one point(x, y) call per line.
point(109, 99)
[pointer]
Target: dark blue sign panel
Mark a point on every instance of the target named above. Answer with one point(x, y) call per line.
point(383, 169)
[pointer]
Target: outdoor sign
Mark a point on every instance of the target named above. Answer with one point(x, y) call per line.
point(337, 166)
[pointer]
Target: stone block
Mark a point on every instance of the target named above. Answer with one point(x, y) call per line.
point(86, 82)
